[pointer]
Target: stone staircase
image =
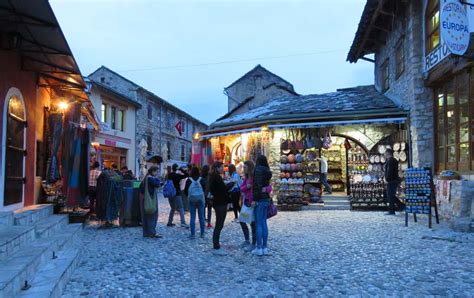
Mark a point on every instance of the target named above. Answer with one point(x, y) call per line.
point(331, 202)
point(38, 252)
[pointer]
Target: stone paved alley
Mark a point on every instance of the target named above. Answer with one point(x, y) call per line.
point(314, 253)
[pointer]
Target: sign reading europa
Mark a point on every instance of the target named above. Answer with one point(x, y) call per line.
point(454, 26)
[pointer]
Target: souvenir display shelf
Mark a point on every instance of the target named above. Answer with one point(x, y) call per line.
point(299, 182)
point(368, 188)
point(335, 174)
point(419, 194)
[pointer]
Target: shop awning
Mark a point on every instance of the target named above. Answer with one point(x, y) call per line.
point(30, 28)
point(399, 120)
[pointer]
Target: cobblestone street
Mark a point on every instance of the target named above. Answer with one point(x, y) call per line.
point(313, 253)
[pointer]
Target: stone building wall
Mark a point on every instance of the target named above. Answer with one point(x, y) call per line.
point(408, 90)
point(458, 209)
point(255, 83)
point(156, 126)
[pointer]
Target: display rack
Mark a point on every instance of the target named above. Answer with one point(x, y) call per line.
point(419, 194)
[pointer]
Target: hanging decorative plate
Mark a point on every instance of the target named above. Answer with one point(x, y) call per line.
point(358, 178)
point(396, 155)
point(404, 166)
point(382, 159)
point(382, 149)
point(377, 159)
point(287, 151)
point(403, 156)
point(396, 147)
point(374, 179)
point(403, 146)
point(372, 159)
point(370, 167)
point(367, 179)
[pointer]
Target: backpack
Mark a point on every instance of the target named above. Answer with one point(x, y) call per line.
point(195, 192)
point(169, 191)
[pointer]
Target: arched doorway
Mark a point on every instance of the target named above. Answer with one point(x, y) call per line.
point(14, 150)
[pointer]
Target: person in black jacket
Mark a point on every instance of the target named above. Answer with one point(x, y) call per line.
point(220, 193)
point(176, 203)
point(392, 178)
point(205, 178)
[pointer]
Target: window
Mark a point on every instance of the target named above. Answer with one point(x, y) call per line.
point(168, 150)
point(103, 113)
point(183, 128)
point(183, 152)
point(454, 123)
point(149, 142)
point(120, 120)
point(432, 38)
point(385, 76)
point(400, 58)
point(113, 114)
point(150, 112)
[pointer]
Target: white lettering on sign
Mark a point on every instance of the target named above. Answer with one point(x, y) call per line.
point(436, 56)
point(454, 27)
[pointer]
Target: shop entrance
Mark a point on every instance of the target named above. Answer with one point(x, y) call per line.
point(113, 155)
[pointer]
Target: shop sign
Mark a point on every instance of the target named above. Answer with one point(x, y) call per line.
point(110, 143)
point(454, 27)
point(436, 56)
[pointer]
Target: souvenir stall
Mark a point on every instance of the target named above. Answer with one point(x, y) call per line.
point(294, 156)
point(348, 128)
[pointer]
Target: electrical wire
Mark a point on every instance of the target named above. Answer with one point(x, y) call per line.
point(231, 61)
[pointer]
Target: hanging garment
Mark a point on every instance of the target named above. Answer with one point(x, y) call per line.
point(55, 123)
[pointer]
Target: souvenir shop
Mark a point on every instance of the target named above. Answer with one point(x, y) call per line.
point(354, 151)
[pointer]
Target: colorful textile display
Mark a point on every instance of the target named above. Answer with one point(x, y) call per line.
point(55, 123)
point(109, 195)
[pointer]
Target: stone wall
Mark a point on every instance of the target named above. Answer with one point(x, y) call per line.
point(408, 90)
point(255, 84)
point(161, 125)
point(459, 208)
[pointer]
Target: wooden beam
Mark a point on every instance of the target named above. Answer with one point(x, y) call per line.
point(369, 28)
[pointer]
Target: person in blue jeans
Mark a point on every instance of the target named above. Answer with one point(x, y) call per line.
point(149, 220)
point(261, 198)
point(176, 203)
point(194, 190)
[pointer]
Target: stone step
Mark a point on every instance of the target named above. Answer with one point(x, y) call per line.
point(6, 218)
point(51, 280)
point(47, 227)
point(23, 265)
point(337, 203)
point(14, 238)
point(30, 215)
point(333, 197)
point(324, 207)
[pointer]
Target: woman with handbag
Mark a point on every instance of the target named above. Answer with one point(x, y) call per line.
point(149, 203)
point(248, 206)
point(219, 192)
point(262, 200)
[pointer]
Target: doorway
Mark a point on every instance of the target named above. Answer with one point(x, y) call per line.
point(14, 152)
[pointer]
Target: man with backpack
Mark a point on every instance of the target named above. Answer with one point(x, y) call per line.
point(194, 191)
point(176, 202)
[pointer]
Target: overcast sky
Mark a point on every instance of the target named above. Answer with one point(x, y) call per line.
point(188, 51)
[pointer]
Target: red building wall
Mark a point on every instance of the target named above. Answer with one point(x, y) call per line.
point(11, 75)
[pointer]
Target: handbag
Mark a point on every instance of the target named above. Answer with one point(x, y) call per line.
point(247, 214)
point(272, 210)
point(149, 204)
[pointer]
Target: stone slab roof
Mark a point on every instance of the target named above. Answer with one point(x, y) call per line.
point(352, 102)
